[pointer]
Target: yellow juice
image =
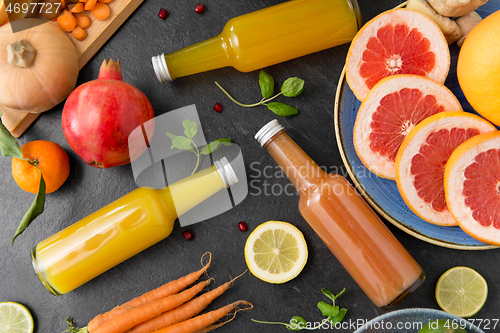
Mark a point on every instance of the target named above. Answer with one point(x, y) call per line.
point(118, 231)
point(267, 37)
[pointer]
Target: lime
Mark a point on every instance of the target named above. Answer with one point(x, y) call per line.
point(276, 252)
point(461, 291)
point(15, 318)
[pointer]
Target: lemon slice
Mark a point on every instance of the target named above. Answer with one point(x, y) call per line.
point(15, 318)
point(276, 252)
point(461, 291)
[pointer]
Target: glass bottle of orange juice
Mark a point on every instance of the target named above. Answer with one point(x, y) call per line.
point(122, 229)
point(361, 242)
point(266, 37)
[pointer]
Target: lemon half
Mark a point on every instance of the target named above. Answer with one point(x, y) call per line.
point(461, 291)
point(15, 318)
point(276, 252)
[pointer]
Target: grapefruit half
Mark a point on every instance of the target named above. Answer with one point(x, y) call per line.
point(388, 113)
point(398, 41)
point(472, 183)
point(422, 157)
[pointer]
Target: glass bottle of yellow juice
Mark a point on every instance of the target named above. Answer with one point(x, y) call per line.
point(266, 37)
point(357, 237)
point(122, 229)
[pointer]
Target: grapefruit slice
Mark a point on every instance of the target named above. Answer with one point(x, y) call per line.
point(398, 41)
point(471, 184)
point(422, 158)
point(388, 113)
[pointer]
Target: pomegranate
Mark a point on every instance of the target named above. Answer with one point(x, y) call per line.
point(99, 116)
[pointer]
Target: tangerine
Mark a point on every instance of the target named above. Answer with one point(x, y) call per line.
point(49, 157)
point(478, 68)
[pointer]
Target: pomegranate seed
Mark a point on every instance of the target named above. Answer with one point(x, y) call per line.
point(163, 13)
point(200, 8)
point(188, 235)
point(242, 226)
point(218, 107)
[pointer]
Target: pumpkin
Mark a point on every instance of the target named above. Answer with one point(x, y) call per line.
point(38, 66)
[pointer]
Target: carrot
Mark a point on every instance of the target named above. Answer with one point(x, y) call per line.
point(106, 1)
point(66, 22)
point(90, 4)
point(170, 288)
point(83, 21)
point(79, 33)
point(138, 315)
point(101, 11)
point(64, 4)
point(78, 8)
point(183, 312)
point(203, 321)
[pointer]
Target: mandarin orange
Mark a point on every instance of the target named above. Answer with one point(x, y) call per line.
point(49, 157)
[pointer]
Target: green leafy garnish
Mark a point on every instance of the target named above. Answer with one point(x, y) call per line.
point(332, 313)
point(10, 147)
point(292, 87)
point(187, 143)
point(72, 328)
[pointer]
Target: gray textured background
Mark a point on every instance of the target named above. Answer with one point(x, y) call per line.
point(88, 189)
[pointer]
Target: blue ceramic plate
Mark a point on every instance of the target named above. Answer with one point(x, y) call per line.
point(411, 320)
point(383, 194)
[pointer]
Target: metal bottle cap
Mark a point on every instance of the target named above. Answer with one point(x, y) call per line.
point(226, 171)
point(161, 69)
point(268, 131)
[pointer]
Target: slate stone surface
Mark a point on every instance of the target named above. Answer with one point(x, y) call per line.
point(88, 189)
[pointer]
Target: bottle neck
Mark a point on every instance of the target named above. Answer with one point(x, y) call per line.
point(193, 190)
point(204, 56)
point(302, 171)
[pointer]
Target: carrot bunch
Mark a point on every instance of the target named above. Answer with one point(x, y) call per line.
point(170, 308)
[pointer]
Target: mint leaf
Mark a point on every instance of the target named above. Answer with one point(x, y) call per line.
point(328, 310)
point(292, 87)
point(281, 109)
point(297, 323)
point(35, 209)
point(214, 145)
point(338, 318)
point(266, 83)
point(180, 142)
point(331, 296)
point(190, 128)
point(8, 143)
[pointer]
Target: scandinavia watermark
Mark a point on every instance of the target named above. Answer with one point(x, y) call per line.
point(264, 179)
point(353, 325)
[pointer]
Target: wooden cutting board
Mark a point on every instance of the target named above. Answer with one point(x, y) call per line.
point(97, 34)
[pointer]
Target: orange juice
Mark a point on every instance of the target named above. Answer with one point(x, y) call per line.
point(267, 37)
point(366, 248)
point(120, 230)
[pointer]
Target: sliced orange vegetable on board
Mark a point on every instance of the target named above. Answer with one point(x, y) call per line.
point(83, 21)
point(79, 33)
point(101, 11)
point(67, 22)
point(105, 1)
point(78, 8)
point(90, 4)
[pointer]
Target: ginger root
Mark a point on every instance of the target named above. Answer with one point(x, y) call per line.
point(466, 24)
point(455, 8)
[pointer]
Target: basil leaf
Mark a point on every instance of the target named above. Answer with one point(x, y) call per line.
point(266, 83)
point(297, 323)
point(281, 109)
point(328, 310)
point(292, 87)
point(8, 143)
point(190, 128)
point(214, 145)
point(35, 209)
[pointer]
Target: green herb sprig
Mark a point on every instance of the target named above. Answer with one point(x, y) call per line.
point(333, 315)
point(292, 87)
point(10, 147)
point(187, 143)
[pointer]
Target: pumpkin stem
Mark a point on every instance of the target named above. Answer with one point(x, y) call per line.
point(20, 53)
point(110, 70)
